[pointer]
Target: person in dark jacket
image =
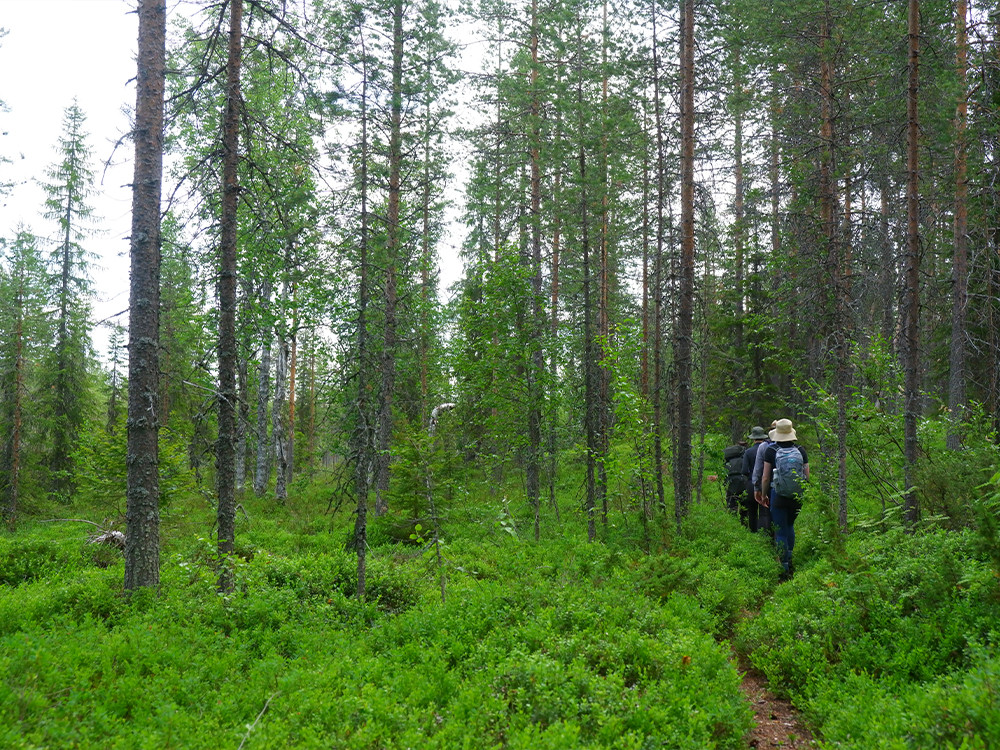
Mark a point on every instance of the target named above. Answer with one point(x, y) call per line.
point(757, 516)
point(732, 466)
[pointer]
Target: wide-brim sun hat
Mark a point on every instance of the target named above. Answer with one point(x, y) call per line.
point(757, 433)
point(783, 431)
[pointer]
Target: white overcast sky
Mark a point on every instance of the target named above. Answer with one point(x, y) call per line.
point(56, 50)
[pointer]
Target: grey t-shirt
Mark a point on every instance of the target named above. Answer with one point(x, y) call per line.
point(758, 466)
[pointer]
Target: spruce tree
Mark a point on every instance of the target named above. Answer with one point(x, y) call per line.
point(68, 188)
point(23, 326)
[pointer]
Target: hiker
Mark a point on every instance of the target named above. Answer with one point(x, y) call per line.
point(757, 516)
point(786, 469)
point(736, 488)
point(758, 468)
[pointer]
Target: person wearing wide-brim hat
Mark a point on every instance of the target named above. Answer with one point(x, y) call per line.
point(788, 464)
point(757, 516)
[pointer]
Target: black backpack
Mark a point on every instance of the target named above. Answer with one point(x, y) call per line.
point(733, 458)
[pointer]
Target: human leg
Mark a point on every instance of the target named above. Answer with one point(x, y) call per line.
point(749, 511)
point(764, 522)
point(784, 511)
point(784, 534)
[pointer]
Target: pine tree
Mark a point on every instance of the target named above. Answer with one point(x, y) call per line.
point(142, 536)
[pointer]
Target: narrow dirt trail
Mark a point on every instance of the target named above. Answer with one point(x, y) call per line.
point(778, 723)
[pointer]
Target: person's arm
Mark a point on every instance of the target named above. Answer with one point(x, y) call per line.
point(758, 466)
point(805, 469)
point(765, 483)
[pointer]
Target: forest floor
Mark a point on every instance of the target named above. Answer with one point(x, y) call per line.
point(778, 724)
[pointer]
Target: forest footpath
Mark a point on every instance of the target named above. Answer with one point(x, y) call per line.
point(777, 724)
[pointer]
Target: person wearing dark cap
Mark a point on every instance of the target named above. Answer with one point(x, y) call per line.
point(757, 516)
point(732, 465)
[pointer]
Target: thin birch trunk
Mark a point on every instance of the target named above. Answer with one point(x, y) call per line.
point(262, 469)
point(278, 418)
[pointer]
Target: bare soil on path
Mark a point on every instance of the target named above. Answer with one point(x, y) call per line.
point(777, 722)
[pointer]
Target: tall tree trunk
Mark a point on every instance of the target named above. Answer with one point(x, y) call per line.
point(887, 285)
point(361, 438)
point(142, 516)
point(394, 235)
point(911, 299)
point(225, 450)
point(279, 421)
point(685, 321)
point(242, 420)
point(739, 245)
point(960, 260)
point(646, 230)
point(292, 361)
point(554, 293)
point(591, 415)
point(836, 294)
point(604, 287)
point(17, 401)
point(262, 469)
point(61, 462)
point(554, 324)
point(537, 364)
point(661, 193)
point(426, 259)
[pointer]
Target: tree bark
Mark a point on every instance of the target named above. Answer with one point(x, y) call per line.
point(393, 230)
point(536, 365)
point(17, 401)
point(960, 259)
point(911, 297)
point(836, 295)
point(604, 290)
point(589, 354)
point(661, 193)
point(685, 318)
point(292, 361)
point(262, 469)
point(242, 420)
point(142, 516)
point(739, 244)
point(361, 438)
point(279, 422)
point(225, 450)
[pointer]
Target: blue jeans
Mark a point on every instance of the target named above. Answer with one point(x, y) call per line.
point(784, 511)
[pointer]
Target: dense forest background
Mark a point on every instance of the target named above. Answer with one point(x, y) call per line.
point(339, 504)
point(663, 243)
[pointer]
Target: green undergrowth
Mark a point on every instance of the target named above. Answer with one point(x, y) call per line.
point(893, 643)
point(558, 644)
point(728, 571)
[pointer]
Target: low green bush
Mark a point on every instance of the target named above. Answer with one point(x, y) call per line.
point(876, 649)
point(715, 560)
point(553, 645)
point(30, 558)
